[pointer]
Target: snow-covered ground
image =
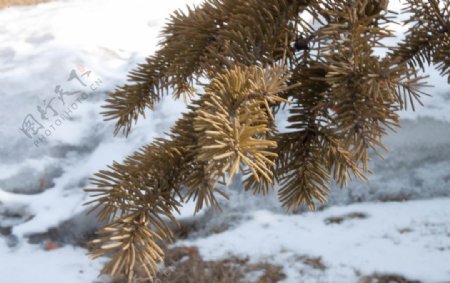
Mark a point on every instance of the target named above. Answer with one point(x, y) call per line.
point(30, 263)
point(44, 48)
point(409, 238)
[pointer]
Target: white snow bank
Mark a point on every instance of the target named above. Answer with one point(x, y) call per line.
point(407, 238)
point(30, 263)
point(39, 47)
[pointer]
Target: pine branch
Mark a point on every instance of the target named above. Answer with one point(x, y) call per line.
point(203, 42)
point(132, 244)
point(428, 38)
point(258, 56)
point(225, 132)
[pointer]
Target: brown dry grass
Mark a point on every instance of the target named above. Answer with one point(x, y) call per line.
point(386, 278)
point(185, 265)
point(9, 3)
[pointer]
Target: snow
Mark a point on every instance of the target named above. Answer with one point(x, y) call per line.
point(41, 185)
point(29, 263)
point(39, 47)
point(408, 238)
point(45, 43)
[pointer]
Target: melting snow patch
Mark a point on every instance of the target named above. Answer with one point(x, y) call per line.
point(407, 238)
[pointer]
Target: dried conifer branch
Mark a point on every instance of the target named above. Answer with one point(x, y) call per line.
point(225, 133)
point(132, 245)
point(428, 38)
point(257, 56)
point(359, 81)
point(202, 42)
point(233, 122)
point(313, 144)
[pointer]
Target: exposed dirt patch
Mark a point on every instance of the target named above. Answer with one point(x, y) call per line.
point(5, 231)
point(386, 278)
point(313, 262)
point(399, 197)
point(342, 218)
point(405, 230)
point(185, 265)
